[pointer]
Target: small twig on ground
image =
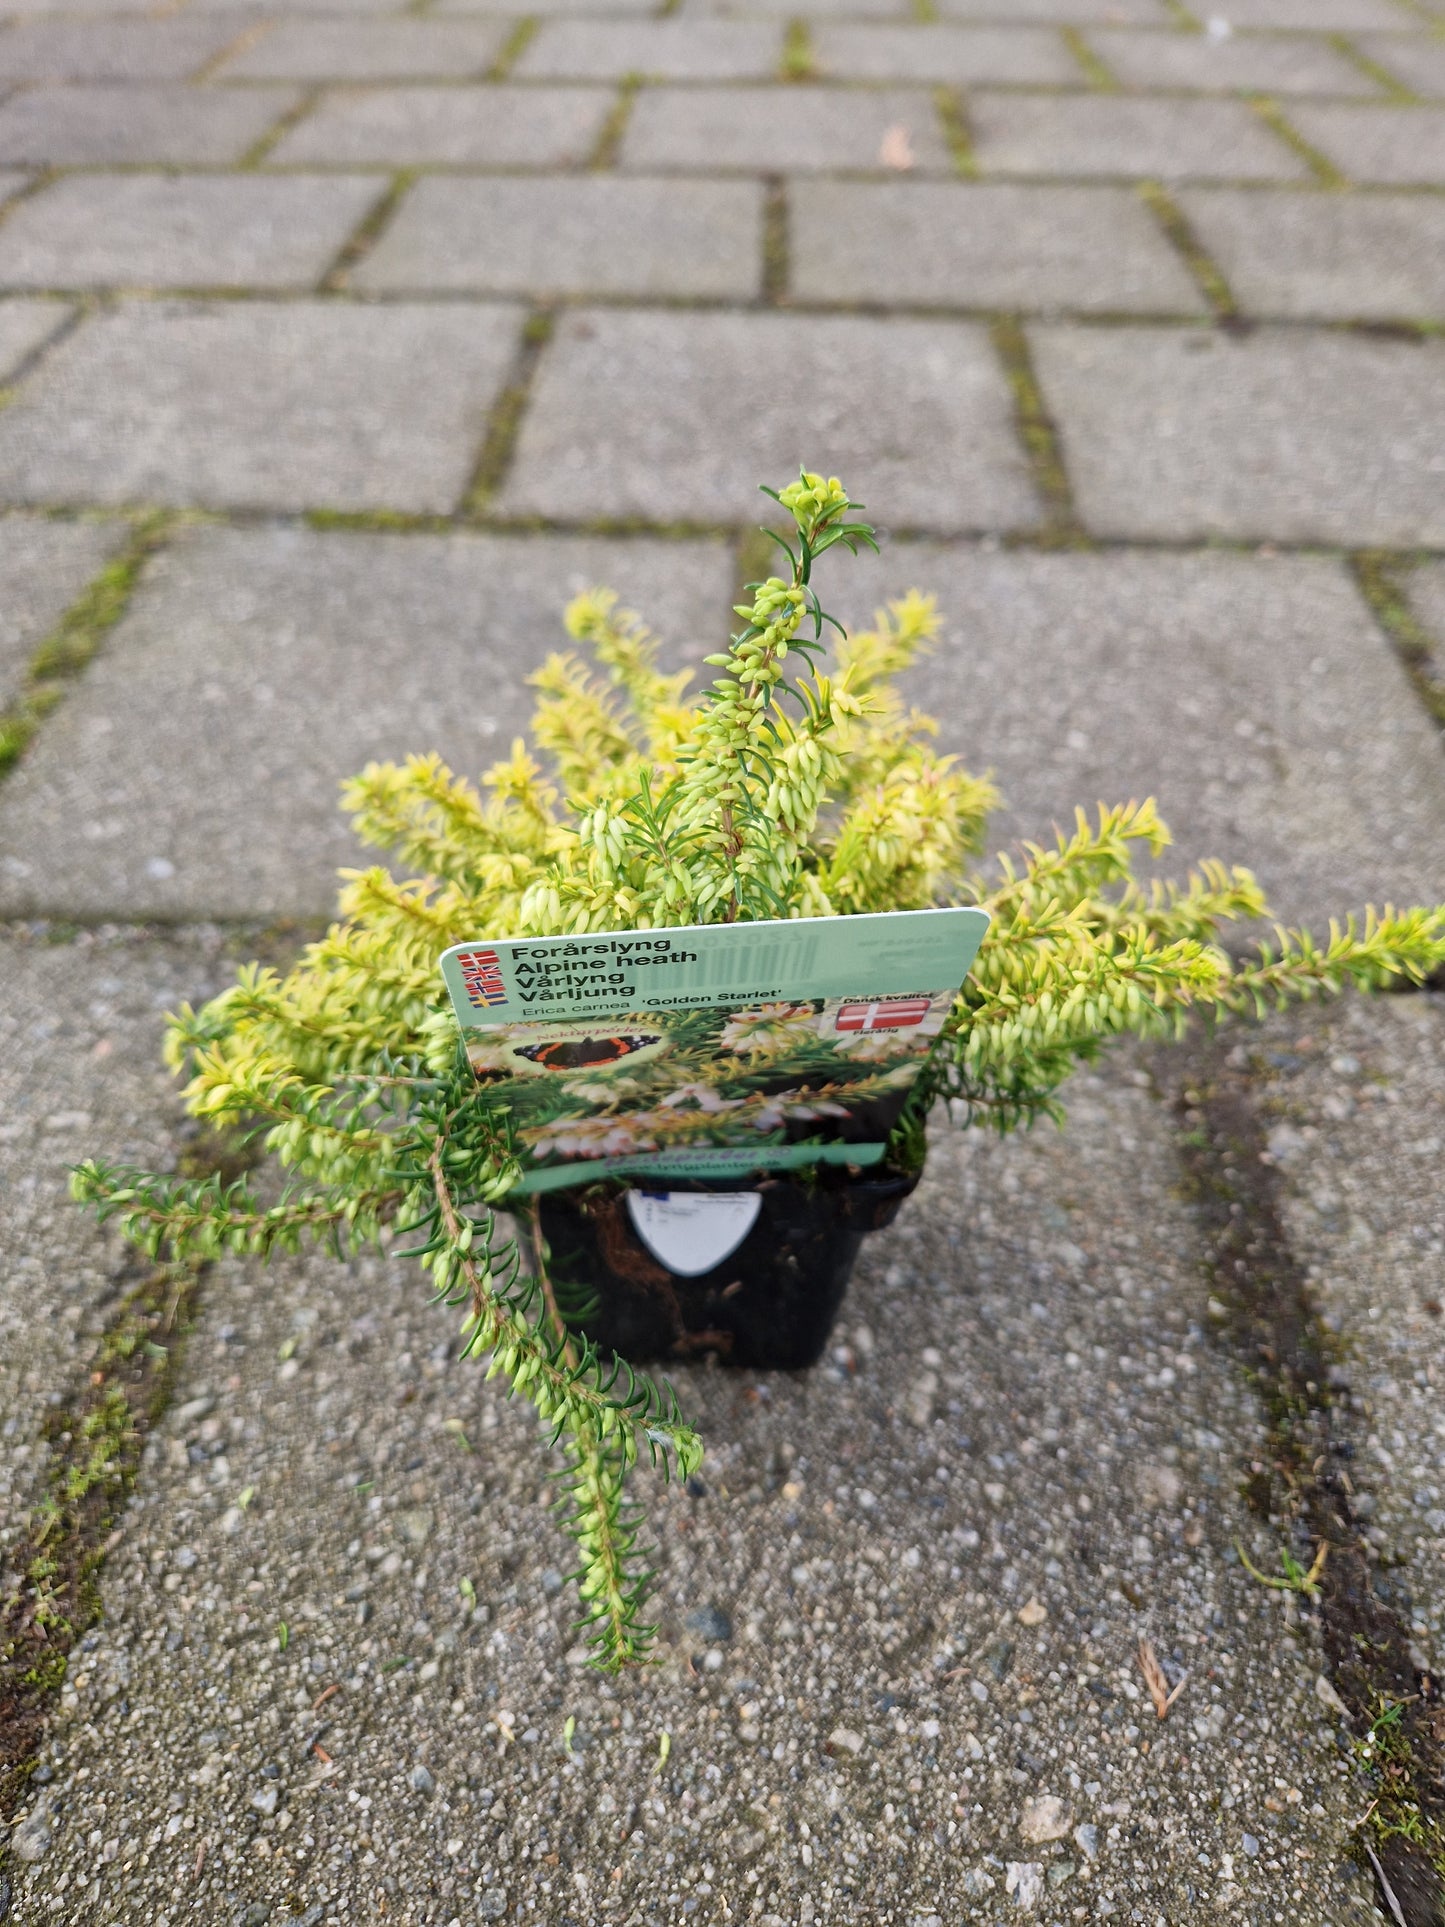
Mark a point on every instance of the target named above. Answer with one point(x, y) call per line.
point(1157, 1681)
point(1386, 1888)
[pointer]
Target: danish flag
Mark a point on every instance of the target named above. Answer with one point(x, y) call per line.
point(891, 1013)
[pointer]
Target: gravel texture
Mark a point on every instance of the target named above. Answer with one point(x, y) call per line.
point(900, 1607)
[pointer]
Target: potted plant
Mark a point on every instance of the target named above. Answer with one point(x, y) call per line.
point(784, 791)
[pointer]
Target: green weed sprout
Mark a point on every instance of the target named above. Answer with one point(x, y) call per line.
point(797, 784)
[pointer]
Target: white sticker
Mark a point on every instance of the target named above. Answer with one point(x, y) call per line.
point(691, 1231)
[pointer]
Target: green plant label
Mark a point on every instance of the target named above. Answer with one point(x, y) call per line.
point(709, 1052)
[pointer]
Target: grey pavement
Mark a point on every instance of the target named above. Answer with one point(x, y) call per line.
point(976, 244)
point(178, 231)
point(1368, 257)
point(258, 405)
point(559, 237)
point(1189, 435)
point(26, 326)
point(671, 415)
point(44, 566)
point(899, 1628)
point(1356, 1102)
point(414, 319)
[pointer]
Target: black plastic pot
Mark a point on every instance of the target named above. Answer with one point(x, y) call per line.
point(769, 1305)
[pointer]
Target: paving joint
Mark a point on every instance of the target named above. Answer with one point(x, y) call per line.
point(952, 107)
point(797, 61)
point(64, 654)
point(1095, 70)
point(277, 132)
point(368, 232)
point(1273, 115)
point(1261, 1299)
point(515, 45)
point(609, 140)
point(1382, 76)
point(505, 422)
point(1039, 434)
point(243, 42)
point(95, 1436)
point(1378, 578)
point(776, 244)
point(1179, 231)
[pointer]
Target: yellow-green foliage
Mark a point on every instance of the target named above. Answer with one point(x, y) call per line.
point(785, 789)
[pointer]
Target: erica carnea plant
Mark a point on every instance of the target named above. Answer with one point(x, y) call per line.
point(799, 783)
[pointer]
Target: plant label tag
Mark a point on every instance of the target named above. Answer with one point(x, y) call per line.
point(707, 1052)
point(691, 1232)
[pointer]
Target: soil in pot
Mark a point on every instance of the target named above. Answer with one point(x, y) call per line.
point(629, 1259)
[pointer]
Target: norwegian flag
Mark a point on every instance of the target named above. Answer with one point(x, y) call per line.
point(885, 1013)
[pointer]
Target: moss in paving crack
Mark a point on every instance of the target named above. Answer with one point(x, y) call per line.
point(1039, 436)
point(924, 10)
point(95, 1438)
point(1099, 74)
point(68, 648)
point(609, 141)
point(1273, 116)
point(505, 422)
point(514, 46)
point(1422, 654)
point(363, 239)
point(953, 118)
point(1260, 1291)
point(1381, 76)
point(776, 264)
point(1186, 242)
point(797, 61)
point(279, 128)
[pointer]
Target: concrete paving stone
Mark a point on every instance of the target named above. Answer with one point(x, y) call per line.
point(23, 9)
point(263, 12)
point(80, 1076)
point(1069, 1436)
point(1393, 146)
point(1416, 59)
point(1059, 13)
point(879, 10)
point(70, 49)
point(983, 245)
point(1357, 1092)
point(371, 50)
point(656, 50)
point(1101, 134)
point(261, 405)
point(765, 130)
point(1318, 16)
point(24, 327)
point(1243, 63)
point(285, 660)
point(44, 566)
point(1285, 435)
point(682, 415)
point(1255, 699)
point(599, 234)
point(1375, 257)
point(75, 126)
point(953, 56)
point(178, 231)
point(483, 126)
point(545, 9)
point(11, 182)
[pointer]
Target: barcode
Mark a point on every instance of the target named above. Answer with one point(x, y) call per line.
point(727, 963)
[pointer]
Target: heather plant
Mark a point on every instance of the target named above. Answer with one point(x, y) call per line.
point(798, 784)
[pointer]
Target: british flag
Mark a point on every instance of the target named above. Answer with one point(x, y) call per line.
point(884, 1013)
